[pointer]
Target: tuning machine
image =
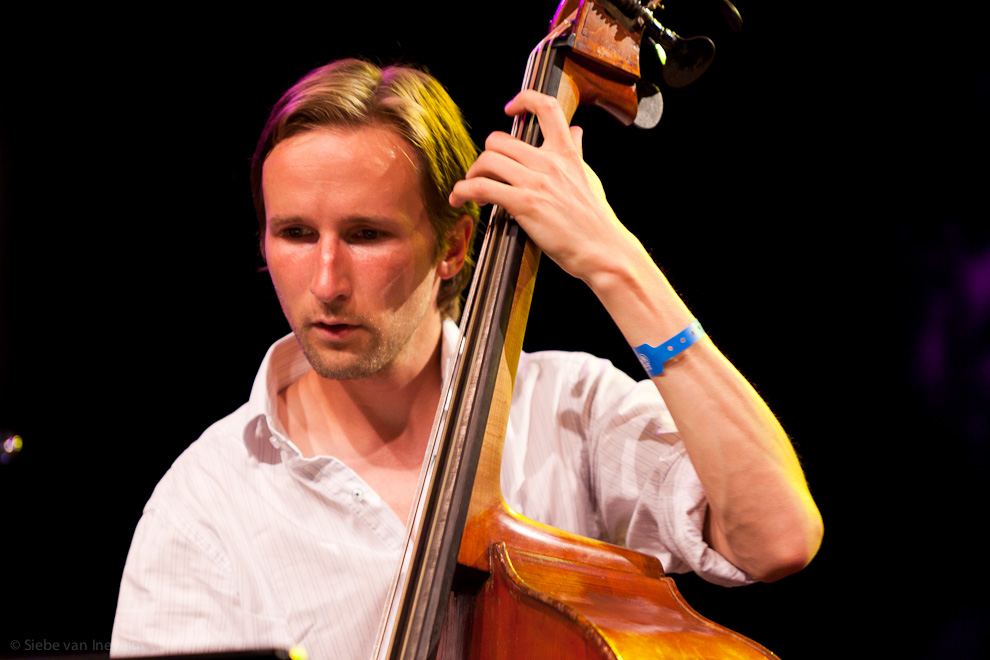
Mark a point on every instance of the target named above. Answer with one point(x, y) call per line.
point(682, 60)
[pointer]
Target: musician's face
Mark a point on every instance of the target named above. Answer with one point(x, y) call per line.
point(350, 250)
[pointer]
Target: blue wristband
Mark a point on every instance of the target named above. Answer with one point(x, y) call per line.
point(653, 357)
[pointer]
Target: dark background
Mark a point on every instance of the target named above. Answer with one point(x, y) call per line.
point(818, 197)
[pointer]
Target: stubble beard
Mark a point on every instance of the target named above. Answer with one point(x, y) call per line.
point(342, 364)
point(383, 346)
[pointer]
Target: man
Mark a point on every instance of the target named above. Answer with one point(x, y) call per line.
point(282, 524)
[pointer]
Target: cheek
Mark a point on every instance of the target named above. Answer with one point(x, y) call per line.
point(287, 271)
point(400, 279)
point(387, 278)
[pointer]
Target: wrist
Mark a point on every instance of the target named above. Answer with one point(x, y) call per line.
point(653, 358)
point(619, 267)
point(639, 298)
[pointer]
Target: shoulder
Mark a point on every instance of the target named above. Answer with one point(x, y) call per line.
point(179, 589)
point(209, 483)
point(200, 505)
point(210, 463)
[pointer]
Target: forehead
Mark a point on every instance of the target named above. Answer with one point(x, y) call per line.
point(342, 164)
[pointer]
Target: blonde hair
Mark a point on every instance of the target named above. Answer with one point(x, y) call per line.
point(352, 93)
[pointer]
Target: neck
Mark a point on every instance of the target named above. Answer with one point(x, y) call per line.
point(385, 417)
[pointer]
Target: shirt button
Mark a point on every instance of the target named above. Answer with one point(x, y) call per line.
point(357, 494)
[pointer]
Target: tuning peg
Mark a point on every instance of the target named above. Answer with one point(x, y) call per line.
point(726, 8)
point(683, 60)
point(650, 105)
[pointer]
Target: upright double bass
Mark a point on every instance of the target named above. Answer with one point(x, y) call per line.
point(478, 580)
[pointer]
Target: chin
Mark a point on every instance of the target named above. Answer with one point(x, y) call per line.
point(344, 365)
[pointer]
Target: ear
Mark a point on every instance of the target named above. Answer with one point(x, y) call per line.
point(458, 240)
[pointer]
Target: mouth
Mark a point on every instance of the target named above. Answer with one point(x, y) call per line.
point(334, 331)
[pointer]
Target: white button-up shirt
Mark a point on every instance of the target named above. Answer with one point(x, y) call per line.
point(247, 544)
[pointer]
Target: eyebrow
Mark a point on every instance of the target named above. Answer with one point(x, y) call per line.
point(277, 222)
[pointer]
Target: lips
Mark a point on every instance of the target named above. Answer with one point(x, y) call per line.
point(334, 331)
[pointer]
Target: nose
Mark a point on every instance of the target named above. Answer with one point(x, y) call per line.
point(332, 276)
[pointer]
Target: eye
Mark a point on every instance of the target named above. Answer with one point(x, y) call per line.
point(295, 233)
point(366, 235)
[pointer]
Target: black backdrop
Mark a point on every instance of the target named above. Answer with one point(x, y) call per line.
point(815, 197)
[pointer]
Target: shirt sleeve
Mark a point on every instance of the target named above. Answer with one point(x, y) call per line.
point(178, 594)
point(648, 493)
